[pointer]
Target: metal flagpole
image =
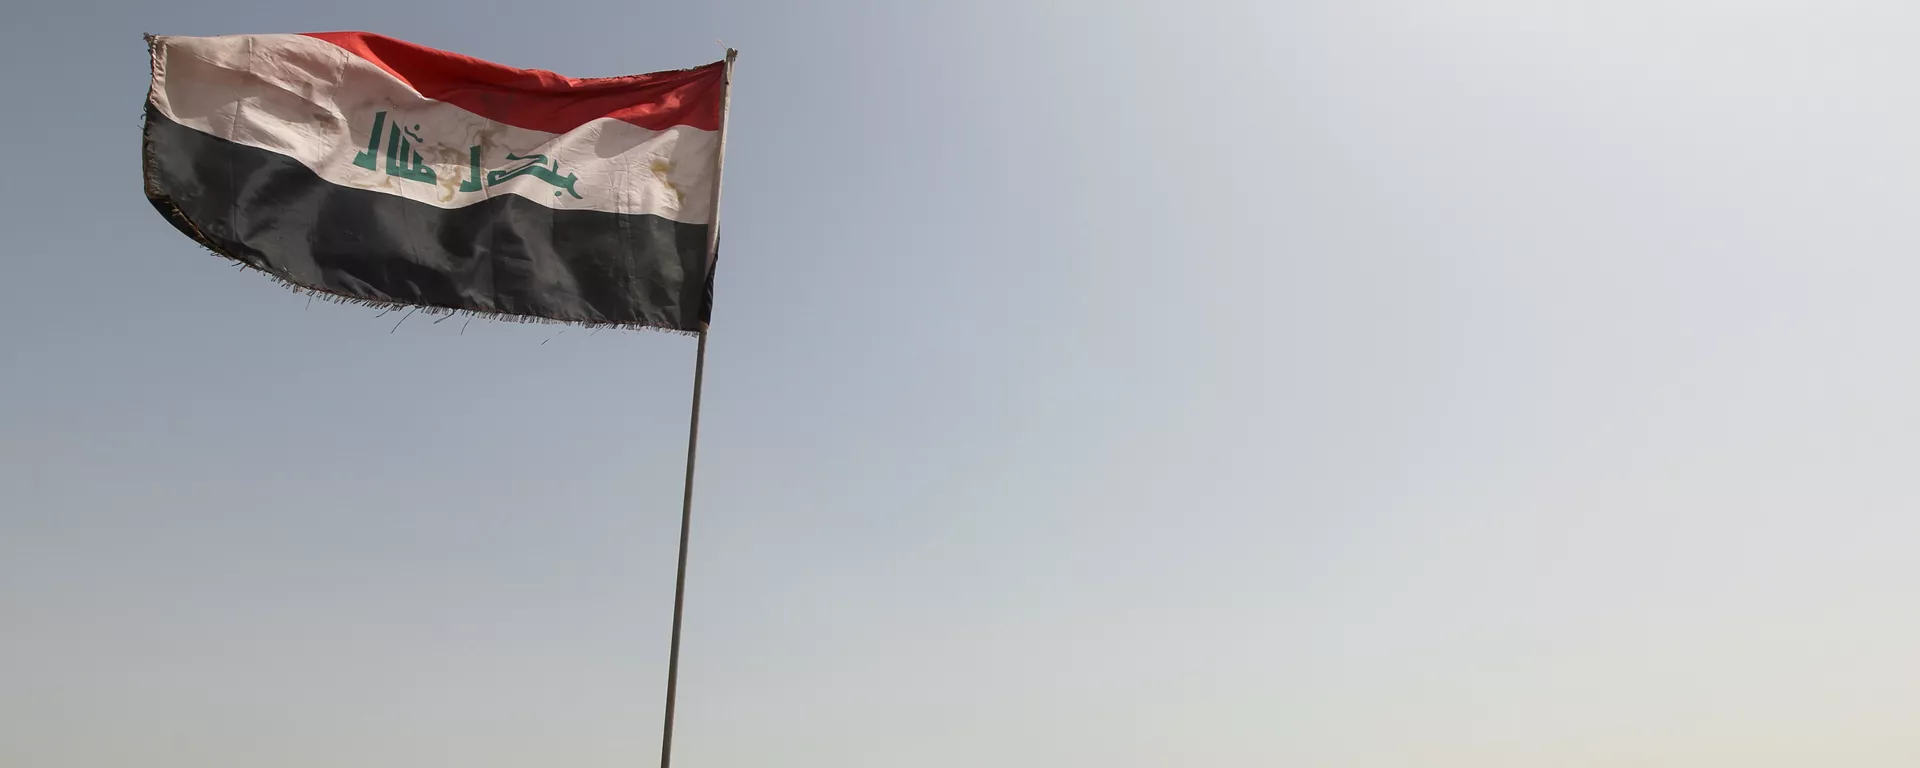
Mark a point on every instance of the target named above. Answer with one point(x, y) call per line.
point(693, 427)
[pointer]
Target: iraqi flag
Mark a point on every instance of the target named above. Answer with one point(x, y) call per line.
point(374, 170)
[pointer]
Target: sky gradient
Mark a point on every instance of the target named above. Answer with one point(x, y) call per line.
point(1350, 384)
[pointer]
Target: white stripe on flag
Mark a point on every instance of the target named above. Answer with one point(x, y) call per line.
point(319, 104)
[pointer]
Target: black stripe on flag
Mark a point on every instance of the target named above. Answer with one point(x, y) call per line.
point(504, 255)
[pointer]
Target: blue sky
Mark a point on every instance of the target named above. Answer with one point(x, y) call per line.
point(1487, 383)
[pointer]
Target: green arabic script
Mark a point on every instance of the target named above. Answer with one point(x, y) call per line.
point(404, 161)
point(535, 169)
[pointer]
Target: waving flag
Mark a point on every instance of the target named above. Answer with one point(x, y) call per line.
point(371, 169)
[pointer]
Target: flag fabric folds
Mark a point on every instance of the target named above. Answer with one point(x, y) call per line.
point(369, 169)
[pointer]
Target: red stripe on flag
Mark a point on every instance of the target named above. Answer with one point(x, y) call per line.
point(539, 100)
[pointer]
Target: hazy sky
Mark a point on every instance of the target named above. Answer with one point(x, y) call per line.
point(1490, 383)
